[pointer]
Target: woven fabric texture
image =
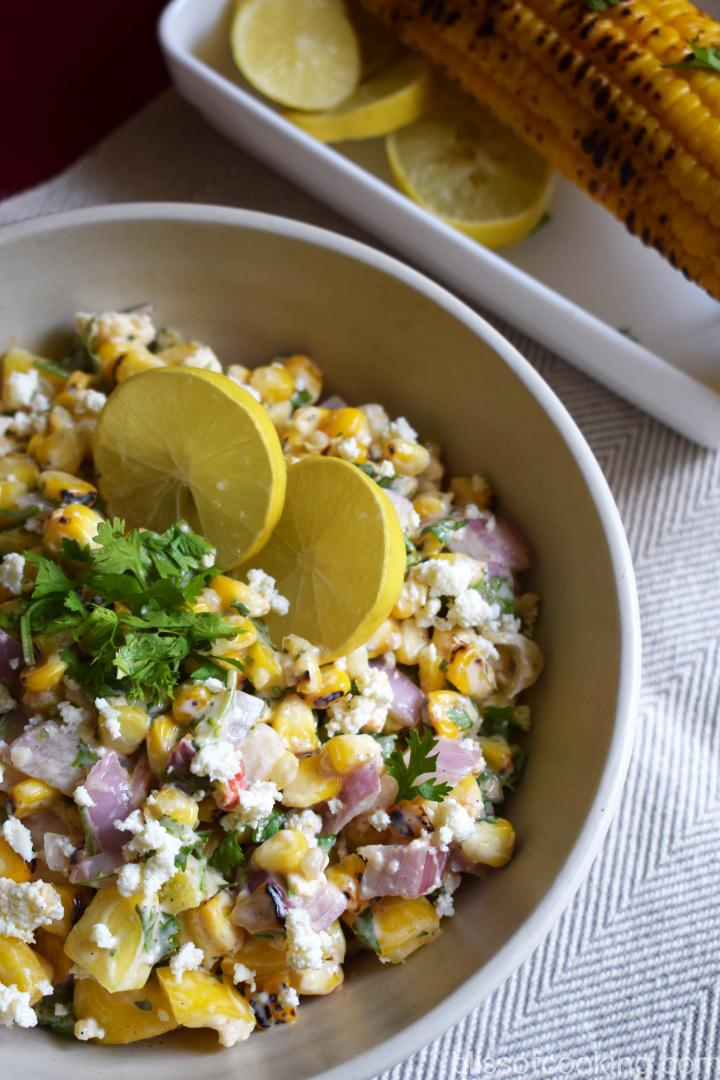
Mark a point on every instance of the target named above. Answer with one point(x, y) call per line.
point(628, 983)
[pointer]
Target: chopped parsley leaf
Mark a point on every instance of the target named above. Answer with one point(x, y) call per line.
point(421, 760)
point(705, 57)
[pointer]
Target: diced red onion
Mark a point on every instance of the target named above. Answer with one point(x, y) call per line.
point(96, 866)
point(333, 402)
point(47, 752)
point(526, 662)
point(44, 822)
point(408, 870)
point(260, 751)
point(244, 712)
point(264, 909)
point(55, 849)
point(323, 906)
point(493, 540)
point(359, 793)
point(180, 757)
point(408, 699)
point(108, 787)
point(141, 780)
point(454, 761)
point(10, 651)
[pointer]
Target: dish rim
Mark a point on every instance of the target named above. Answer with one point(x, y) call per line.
point(478, 987)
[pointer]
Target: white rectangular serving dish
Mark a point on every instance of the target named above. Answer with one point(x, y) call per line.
point(571, 286)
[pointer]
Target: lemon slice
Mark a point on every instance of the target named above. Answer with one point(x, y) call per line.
point(337, 554)
point(301, 53)
point(471, 171)
point(396, 96)
point(186, 444)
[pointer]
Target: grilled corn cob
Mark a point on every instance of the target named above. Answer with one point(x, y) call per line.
point(593, 92)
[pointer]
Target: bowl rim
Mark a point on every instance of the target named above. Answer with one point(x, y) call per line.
point(478, 987)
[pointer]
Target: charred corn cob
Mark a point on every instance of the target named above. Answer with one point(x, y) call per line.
point(593, 92)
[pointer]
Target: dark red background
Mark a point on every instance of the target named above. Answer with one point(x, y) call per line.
point(70, 71)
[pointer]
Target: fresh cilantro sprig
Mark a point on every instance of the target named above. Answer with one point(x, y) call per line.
point(228, 857)
point(421, 761)
point(705, 57)
point(159, 931)
point(443, 527)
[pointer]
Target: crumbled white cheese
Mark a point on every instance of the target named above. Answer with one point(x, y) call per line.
point(19, 838)
point(60, 1009)
point(380, 820)
point(447, 577)
point(366, 711)
point(215, 686)
point(92, 400)
point(88, 1029)
point(208, 559)
point(243, 974)
point(470, 609)
point(288, 998)
point(265, 585)
point(152, 839)
point(202, 357)
point(378, 422)
point(452, 824)
point(7, 701)
point(385, 469)
point(187, 958)
point(305, 821)
point(101, 936)
point(111, 716)
point(12, 570)
point(305, 946)
point(83, 797)
point(349, 448)
point(15, 1007)
point(218, 760)
point(73, 716)
point(129, 879)
point(334, 806)
point(25, 905)
point(20, 388)
point(444, 905)
point(255, 804)
point(134, 326)
point(400, 429)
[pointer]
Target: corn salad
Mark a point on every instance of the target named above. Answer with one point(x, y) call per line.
point(196, 821)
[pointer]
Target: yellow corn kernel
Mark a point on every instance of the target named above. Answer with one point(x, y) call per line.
point(171, 802)
point(294, 721)
point(136, 359)
point(412, 597)
point(273, 382)
point(21, 360)
point(125, 1017)
point(262, 666)
point(469, 673)
point(10, 492)
point(345, 423)
point(109, 354)
point(19, 467)
point(191, 702)
point(307, 375)
point(62, 487)
point(347, 874)
point(50, 948)
point(199, 1000)
point(64, 449)
point(29, 796)
point(307, 419)
point(344, 753)
point(408, 458)
point(208, 809)
point(431, 669)
point(124, 968)
point(261, 955)
point(450, 713)
point(385, 639)
point(189, 887)
point(273, 1009)
point(21, 966)
point(74, 900)
point(160, 740)
point(208, 600)
point(413, 639)
point(282, 853)
point(468, 794)
point(246, 635)
point(491, 843)
point(44, 676)
point(314, 982)
point(402, 926)
point(211, 928)
point(497, 754)
point(429, 505)
point(284, 770)
point(79, 380)
point(473, 490)
point(430, 545)
point(12, 865)
point(238, 373)
point(334, 684)
point(71, 522)
point(311, 785)
point(229, 590)
point(123, 729)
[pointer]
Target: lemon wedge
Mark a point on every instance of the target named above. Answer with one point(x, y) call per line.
point(186, 444)
point(471, 171)
point(337, 554)
point(395, 96)
point(301, 53)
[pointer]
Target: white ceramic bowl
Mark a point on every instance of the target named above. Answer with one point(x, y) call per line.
point(254, 287)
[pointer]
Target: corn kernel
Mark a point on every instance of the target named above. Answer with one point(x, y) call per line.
point(413, 595)
point(71, 522)
point(344, 753)
point(413, 639)
point(282, 853)
point(29, 796)
point(284, 770)
point(469, 673)
point(171, 802)
point(334, 684)
point(273, 382)
point(306, 374)
point(19, 467)
point(12, 865)
point(199, 1000)
point(245, 637)
point(125, 1017)
point(471, 490)
point(208, 600)
point(345, 423)
point(191, 702)
point(307, 419)
point(44, 676)
point(311, 785)
point(385, 639)
point(429, 505)
point(408, 458)
point(62, 487)
point(264, 956)
point(347, 874)
point(10, 492)
point(211, 928)
point(64, 449)
point(124, 968)
point(124, 728)
point(451, 713)
point(468, 794)
point(497, 754)
point(402, 926)
point(109, 354)
point(160, 740)
point(262, 666)
point(491, 843)
point(136, 359)
point(229, 590)
point(294, 720)
point(317, 981)
point(431, 669)
point(22, 967)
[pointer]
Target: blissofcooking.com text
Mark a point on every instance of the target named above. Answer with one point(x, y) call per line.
point(594, 1065)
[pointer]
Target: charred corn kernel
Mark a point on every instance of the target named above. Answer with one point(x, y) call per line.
point(267, 1000)
point(294, 721)
point(264, 956)
point(429, 505)
point(307, 375)
point(20, 468)
point(62, 487)
point(171, 802)
point(124, 728)
point(74, 900)
point(311, 785)
point(334, 684)
point(469, 673)
point(471, 490)
point(347, 875)
point(343, 753)
point(282, 853)
point(189, 887)
point(284, 770)
point(160, 740)
point(71, 522)
point(211, 928)
point(135, 360)
point(451, 714)
point(316, 982)
point(402, 926)
point(44, 676)
point(491, 843)
point(307, 419)
point(191, 702)
point(262, 666)
point(50, 948)
point(12, 865)
point(497, 754)
point(385, 639)
point(124, 968)
point(128, 1016)
point(200, 1000)
point(30, 796)
point(21, 966)
point(413, 639)
point(345, 423)
point(408, 458)
point(413, 595)
point(431, 669)
point(10, 492)
point(468, 794)
point(273, 382)
point(64, 449)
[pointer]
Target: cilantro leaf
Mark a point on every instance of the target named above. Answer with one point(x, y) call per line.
point(386, 743)
point(267, 827)
point(700, 56)
point(62, 1020)
point(464, 717)
point(421, 760)
point(159, 930)
point(363, 927)
point(86, 757)
point(118, 553)
point(300, 398)
point(497, 720)
point(442, 528)
point(51, 579)
point(325, 843)
point(227, 857)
